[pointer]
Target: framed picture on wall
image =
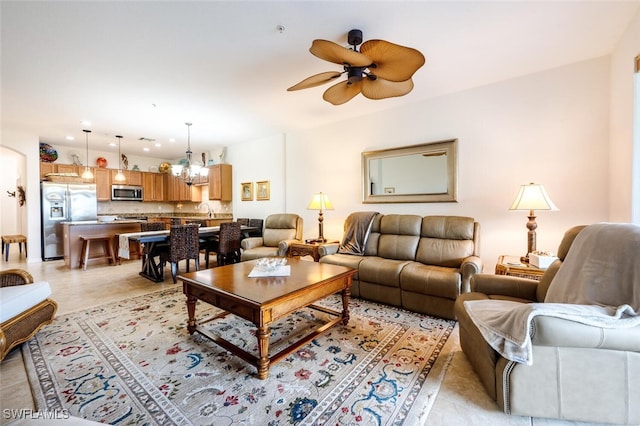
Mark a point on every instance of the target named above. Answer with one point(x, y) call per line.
point(262, 190)
point(246, 191)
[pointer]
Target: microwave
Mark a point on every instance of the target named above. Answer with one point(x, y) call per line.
point(126, 193)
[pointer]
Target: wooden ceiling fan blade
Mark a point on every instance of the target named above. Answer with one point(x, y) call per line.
point(393, 62)
point(342, 92)
point(316, 80)
point(381, 88)
point(332, 52)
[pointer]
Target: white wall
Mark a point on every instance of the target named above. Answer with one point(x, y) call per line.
point(260, 160)
point(13, 217)
point(623, 198)
point(26, 146)
point(549, 128)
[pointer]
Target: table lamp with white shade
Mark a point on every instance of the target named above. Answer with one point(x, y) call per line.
point(532, 197)
point(320, 201)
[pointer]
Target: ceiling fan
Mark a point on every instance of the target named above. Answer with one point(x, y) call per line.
point(380, 69)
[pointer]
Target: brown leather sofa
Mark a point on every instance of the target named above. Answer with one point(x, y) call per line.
point(579, 372)
point(421, 264)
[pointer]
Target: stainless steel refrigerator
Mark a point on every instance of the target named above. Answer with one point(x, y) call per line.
point(64, 202)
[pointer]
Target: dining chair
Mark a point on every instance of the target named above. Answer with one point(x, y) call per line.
point(158, 248)
point(243, 221)
point(184, 244)
point(256, 223)
point(226, 244)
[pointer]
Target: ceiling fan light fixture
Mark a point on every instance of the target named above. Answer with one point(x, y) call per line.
point(355, 74)
point(394, 67)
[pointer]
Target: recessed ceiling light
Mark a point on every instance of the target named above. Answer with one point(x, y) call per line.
point(86, 123)
point(158, 145)
point(112, 144)
point(145, 149)
point(69, 138)
point(172, 140)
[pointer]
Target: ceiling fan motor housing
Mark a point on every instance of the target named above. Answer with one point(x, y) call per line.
point(354, 38)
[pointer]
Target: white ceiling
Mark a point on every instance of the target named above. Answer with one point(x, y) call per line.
point(143, 69)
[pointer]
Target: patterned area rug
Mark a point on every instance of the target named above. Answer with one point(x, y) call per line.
point(133, 362)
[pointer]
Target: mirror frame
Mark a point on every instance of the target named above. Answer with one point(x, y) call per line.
point(449, 147)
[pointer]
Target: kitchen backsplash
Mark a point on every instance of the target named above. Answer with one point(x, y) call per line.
point(135, 208)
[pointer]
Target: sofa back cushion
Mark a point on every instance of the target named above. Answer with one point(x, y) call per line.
point(399, 236)
point(281, 226)
point(446, 240)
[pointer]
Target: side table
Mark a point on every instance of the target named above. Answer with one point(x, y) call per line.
point(511, 265)
point(307, 249)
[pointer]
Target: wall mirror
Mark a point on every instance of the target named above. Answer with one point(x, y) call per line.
point(425, 173)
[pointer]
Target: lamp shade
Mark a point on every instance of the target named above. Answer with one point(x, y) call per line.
point(320, 201)
point(532, 197)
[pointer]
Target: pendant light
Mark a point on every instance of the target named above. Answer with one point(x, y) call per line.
point(119, 177)
point(87, 175)
point(190, 169)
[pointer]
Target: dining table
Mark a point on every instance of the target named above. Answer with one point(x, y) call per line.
point(151, 241)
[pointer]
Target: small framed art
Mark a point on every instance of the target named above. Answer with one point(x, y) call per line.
point(262, 190)
point(247, 191)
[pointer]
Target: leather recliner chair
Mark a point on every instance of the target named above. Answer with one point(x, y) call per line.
point(579, 372)
point(280, 230)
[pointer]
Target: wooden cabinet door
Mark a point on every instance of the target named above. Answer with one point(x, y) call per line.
point(47, 168)
point(135, 177)
point(102, 178)
point(153, 186)
point(159, 180)
point(148, 187)
point(67, 168)
point(220, 182)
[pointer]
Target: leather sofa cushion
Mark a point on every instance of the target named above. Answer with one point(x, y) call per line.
point(347, 260)
point(260, 252)
point(399, 236)
point(441, 252)
point(279, 227)
point(446, 240)
point(432, 280)
point(382, 271)
point(448, 227)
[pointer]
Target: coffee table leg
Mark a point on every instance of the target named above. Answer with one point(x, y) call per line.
point(191, 310)
point(263, 352)
point(346, 293)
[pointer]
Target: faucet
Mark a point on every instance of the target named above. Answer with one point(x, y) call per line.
point(208, 208)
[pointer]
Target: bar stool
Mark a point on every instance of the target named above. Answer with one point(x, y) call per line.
point(8, 239)
point(86, 249)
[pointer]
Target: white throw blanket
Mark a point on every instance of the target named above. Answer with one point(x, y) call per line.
point(598, 284)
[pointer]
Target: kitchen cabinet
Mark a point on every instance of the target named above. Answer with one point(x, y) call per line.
point(178, 190)
point(220, 182)
point(46, 168)
point(131, 177)
point(102, 178)
point(153, 186)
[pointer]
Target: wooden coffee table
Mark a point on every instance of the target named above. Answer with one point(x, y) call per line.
point(265, 300)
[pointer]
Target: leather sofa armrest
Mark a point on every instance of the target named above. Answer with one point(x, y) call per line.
point(560, 332)
point(505, 286)
point(470, 266)
point(283, 247)
point(251, 242)
point(331, 248)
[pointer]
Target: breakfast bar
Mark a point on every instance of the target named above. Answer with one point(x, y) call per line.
point(72, 231)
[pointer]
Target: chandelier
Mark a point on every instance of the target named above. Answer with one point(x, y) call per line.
point(189, 169)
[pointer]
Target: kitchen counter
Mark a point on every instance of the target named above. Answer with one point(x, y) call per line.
point(73, 230)
point(97, 222)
